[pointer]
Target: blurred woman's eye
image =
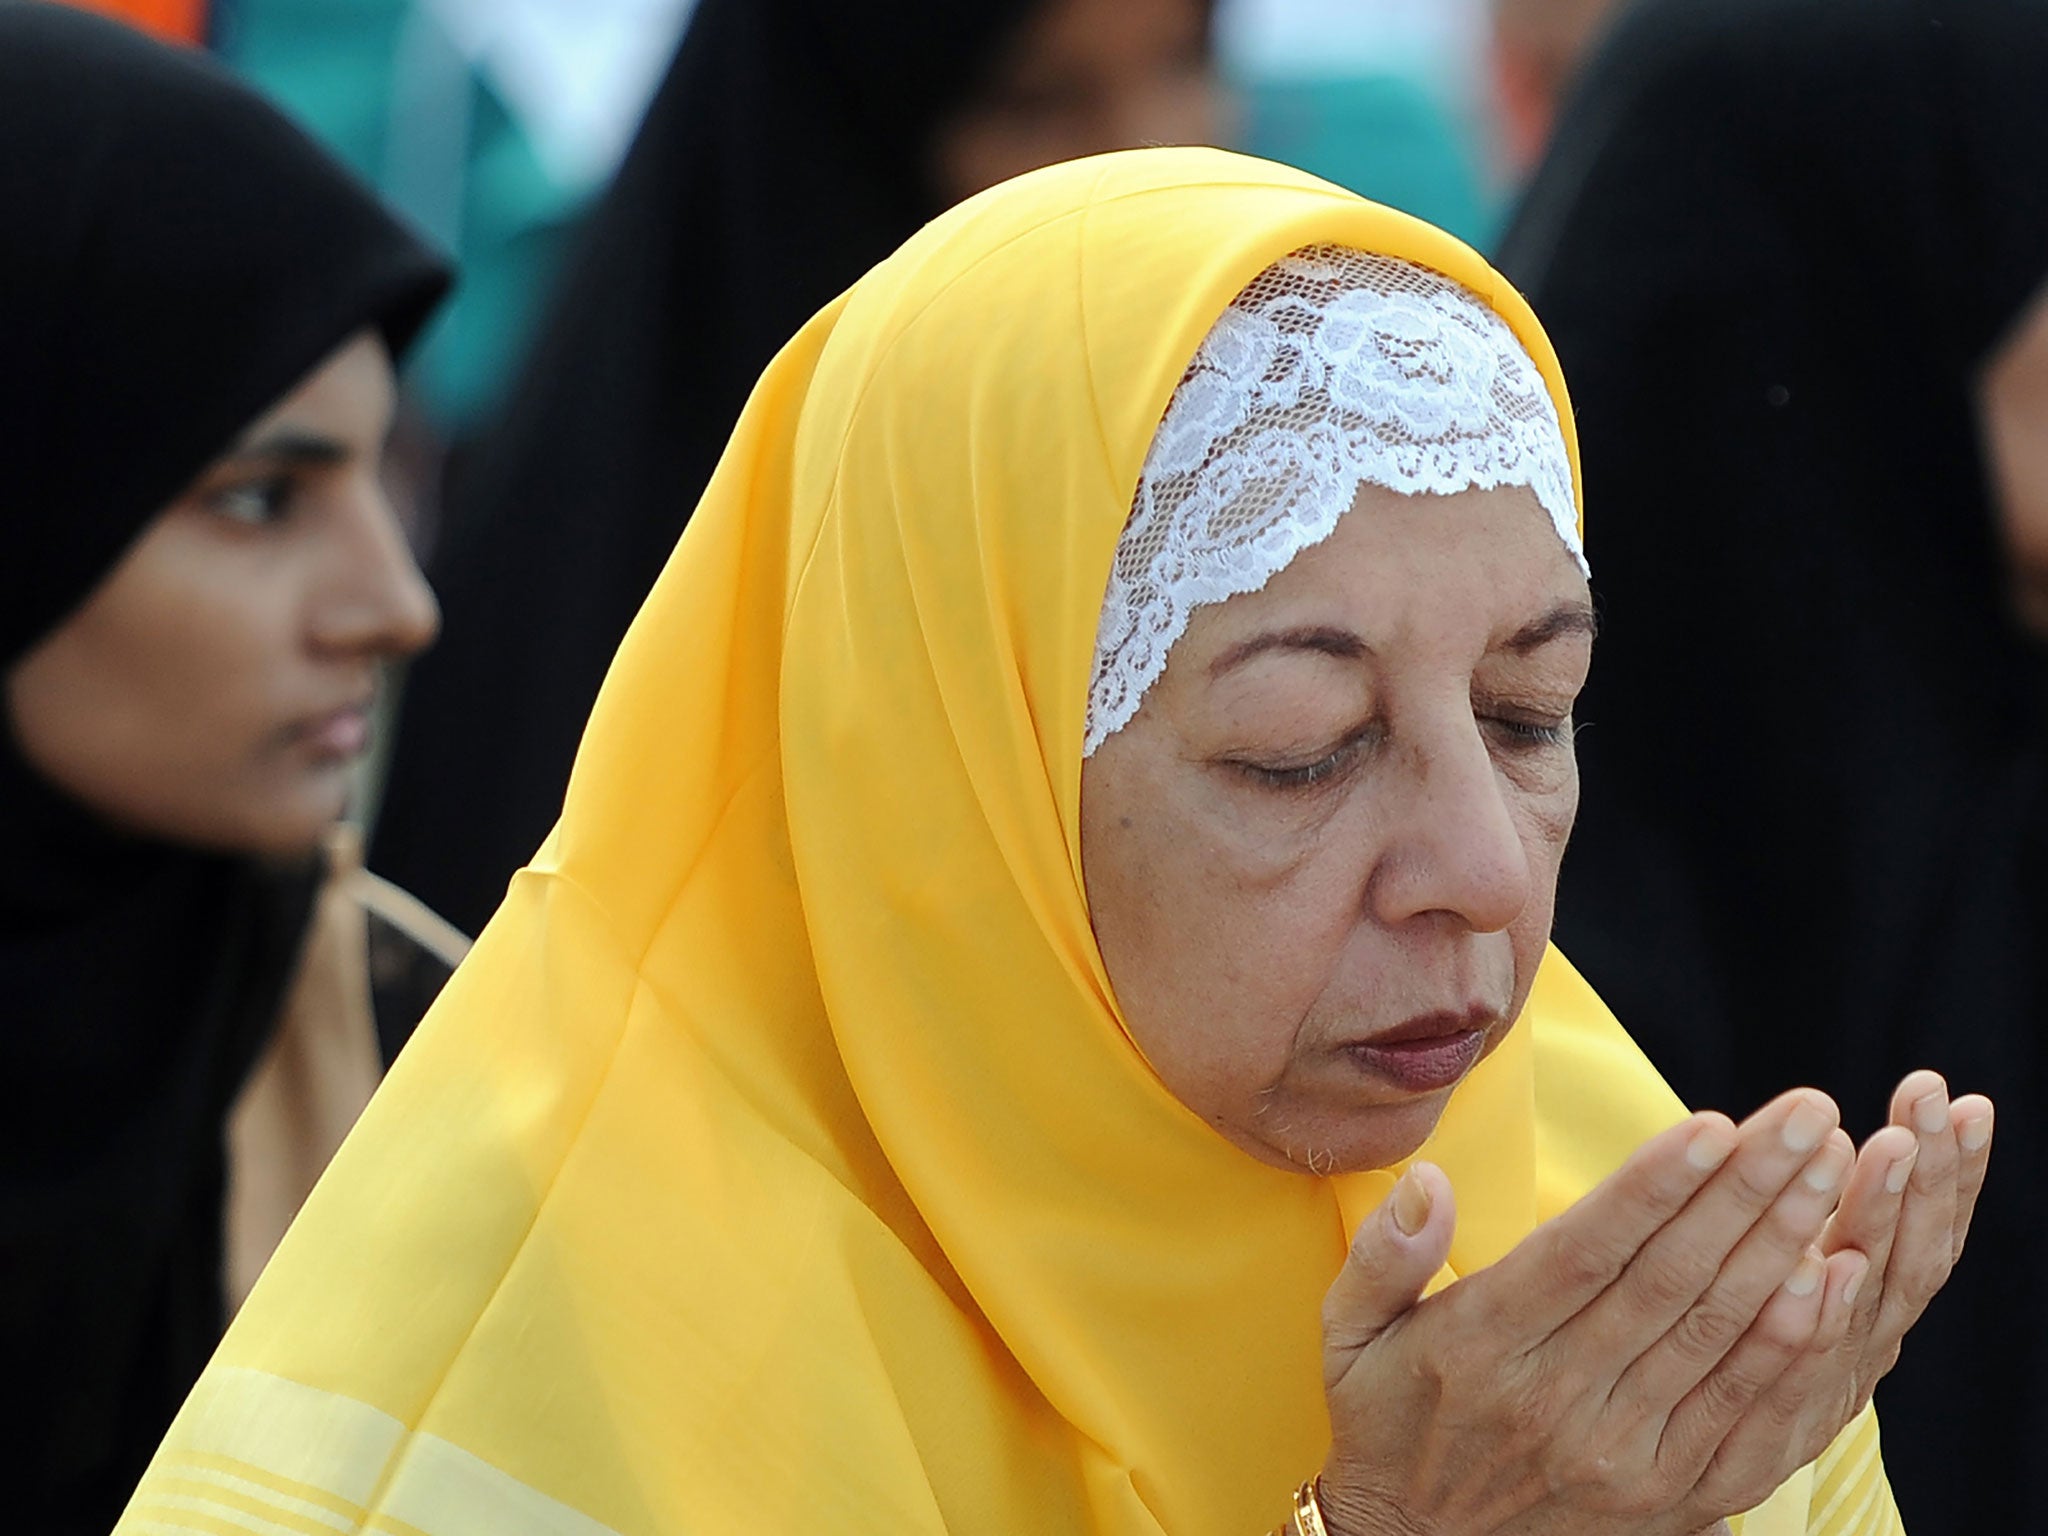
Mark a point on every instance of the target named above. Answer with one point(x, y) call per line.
point(256, 502)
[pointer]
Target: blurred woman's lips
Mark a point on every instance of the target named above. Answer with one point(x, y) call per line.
point(1427, 1053)
point(340, 735)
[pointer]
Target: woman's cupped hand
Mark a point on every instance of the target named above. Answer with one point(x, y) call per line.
point(1663, 1354)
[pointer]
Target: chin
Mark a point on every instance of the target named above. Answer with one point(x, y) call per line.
point(286, 845)
point(281, 840)
point(1360, 1140)
point(1385, 1147)
point(290, 827)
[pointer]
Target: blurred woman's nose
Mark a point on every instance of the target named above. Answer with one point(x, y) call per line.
point(1455, 849)
point(375, 601)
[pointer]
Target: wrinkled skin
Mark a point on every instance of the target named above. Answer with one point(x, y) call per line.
point(1341, 810)
point(1358, 826)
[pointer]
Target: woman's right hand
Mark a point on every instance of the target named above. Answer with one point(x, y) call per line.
point(1588, 1381)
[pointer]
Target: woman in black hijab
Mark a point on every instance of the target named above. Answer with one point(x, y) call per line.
point(1780, 245)
point(198, 312)
point(793, 145)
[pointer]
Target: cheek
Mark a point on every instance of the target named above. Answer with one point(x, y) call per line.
point(1548, 818)
point(1218, 937)
point(210, 667)
point(1545, 822)
point(184, 666)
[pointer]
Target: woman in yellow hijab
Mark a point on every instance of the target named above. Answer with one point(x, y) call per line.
point(856, 1122)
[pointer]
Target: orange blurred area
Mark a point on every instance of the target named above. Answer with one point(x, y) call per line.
point(182, 21)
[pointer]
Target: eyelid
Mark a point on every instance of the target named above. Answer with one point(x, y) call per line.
point(1547, 733)
point(1309, 774)
point(1536, 700)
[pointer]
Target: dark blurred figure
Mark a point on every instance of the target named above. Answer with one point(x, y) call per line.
point(1537, 49)
point(198, 315)
point(1790, 252)
point(793, 144)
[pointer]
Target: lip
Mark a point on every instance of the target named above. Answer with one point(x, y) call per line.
point(337, 735)
point(1427, 1053)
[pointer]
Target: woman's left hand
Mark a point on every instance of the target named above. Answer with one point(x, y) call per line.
point(1894, 1239)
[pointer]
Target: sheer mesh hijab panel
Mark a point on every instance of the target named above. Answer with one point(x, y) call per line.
point(1334, 368)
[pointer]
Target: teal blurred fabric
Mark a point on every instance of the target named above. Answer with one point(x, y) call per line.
point(382, 85)
point(1385, 136)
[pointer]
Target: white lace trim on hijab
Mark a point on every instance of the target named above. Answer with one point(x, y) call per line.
point(1334, 369)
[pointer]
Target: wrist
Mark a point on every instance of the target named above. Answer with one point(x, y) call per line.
point(1347, 1510)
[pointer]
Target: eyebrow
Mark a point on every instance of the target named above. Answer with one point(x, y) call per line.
point(293, 445)
point(1322, 639)
point(1567, 618)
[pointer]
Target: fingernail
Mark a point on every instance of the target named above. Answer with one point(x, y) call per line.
point(1930, 1113)
point(1710, 1146)
point(1823, 1173)
point(1805, 1277)
point(1895, 1176)
point(1411, 1204)
point(1855, 1285)
point(1805, 1126)
point(1976, 1132)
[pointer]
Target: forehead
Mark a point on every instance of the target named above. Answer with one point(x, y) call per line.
point(350, 393)
point(1471, 568)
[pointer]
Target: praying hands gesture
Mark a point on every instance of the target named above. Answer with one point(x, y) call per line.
point(1666, 1352)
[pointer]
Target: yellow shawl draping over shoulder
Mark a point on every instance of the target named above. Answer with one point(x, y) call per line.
point(777, 1162)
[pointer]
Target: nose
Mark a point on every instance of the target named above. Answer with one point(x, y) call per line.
point(1455, 849)
point(375, 601)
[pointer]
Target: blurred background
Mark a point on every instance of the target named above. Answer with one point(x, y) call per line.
point(1792, 254)
point(495, 123)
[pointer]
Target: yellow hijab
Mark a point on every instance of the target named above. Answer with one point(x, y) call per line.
point(778, 1161)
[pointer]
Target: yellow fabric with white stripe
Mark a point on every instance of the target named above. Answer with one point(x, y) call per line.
point(777, 1161)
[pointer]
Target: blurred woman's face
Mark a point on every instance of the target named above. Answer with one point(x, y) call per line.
point(1081, 77)
point(1321, 858)
point(2014, 409)
point(215, 689)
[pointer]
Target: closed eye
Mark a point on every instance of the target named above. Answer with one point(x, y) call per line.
point(1528, 735)
point(1299, 776)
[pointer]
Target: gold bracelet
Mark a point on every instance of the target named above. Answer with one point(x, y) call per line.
point(1308, 1510)
point(1307, 1519)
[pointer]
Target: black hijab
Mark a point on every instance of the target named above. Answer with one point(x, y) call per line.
point(174, 256)
point(1775, 242)
point(784, 155)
